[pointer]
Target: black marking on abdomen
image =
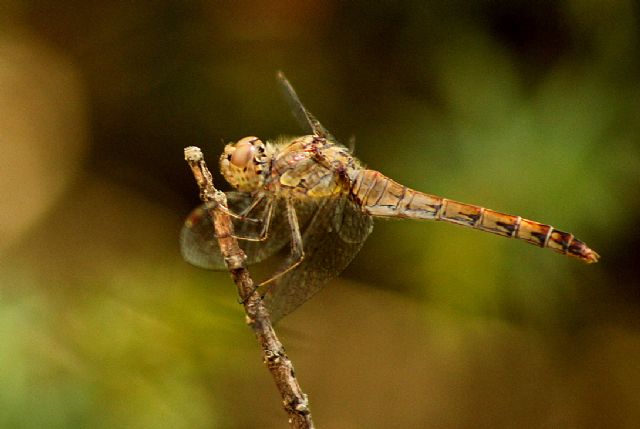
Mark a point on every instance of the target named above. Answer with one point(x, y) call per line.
point(508, 227)
point(542, 238)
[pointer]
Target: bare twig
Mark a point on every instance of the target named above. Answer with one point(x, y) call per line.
point(294, 400)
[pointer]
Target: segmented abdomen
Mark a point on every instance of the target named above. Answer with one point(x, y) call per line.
point(380, 196)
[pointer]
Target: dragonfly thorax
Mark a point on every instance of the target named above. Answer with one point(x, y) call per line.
point(244, 164)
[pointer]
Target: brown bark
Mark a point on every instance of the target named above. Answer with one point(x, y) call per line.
point(294, 400)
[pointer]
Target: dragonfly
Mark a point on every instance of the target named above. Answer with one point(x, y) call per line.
point(311, 192)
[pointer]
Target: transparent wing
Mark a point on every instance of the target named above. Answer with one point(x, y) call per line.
point(199, 245)
point(331, 239)
point(308, 122)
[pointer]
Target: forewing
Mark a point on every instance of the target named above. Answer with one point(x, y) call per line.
point(199, 245)
point(331, 239)
point(308, 122)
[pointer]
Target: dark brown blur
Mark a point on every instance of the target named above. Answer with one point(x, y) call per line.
point(528, 108)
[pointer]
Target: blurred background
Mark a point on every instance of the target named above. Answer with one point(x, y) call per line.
point(529, 108)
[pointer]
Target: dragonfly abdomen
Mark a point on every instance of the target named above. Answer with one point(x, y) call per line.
point(380, 196)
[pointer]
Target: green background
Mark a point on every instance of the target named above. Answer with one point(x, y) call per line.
point(529, 108)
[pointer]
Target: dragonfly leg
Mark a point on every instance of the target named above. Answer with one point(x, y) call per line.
point(243, 217)
point(235, 215)
point(297, 252)
point(266, 223)
point(297, 247)
point(245, 213)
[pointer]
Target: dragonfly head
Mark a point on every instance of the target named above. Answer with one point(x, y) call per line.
point(243, 164)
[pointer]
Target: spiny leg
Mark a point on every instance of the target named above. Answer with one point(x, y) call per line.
point(297, 249)
point(266, 223)
point(242, 217)
point(235, 215)
point(297, 246)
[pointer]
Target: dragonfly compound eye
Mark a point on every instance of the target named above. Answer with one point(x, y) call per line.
point(244, 152)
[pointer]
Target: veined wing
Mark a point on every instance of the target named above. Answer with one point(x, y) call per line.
point(331, 239)
point(308, 122)
point(199, 245)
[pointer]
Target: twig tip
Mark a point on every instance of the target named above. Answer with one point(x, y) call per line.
point(192, 154)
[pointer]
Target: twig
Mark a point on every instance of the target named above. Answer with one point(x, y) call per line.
point(294, 400)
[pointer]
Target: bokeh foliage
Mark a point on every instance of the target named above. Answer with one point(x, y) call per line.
point(529, 108)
